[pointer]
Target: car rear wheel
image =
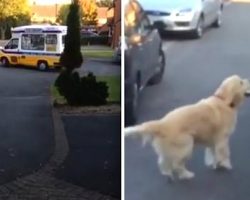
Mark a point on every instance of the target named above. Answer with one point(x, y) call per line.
point(42, 65)
point(131, 106)
point(5, 62)
point(198, 32)
point(217, 23)
point(160, 70)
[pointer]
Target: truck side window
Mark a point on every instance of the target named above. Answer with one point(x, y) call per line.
point(51, 39)
point(32, 42)
point(51, 42)
point(13, 44)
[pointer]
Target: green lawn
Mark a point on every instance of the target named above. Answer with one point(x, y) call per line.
point(114, 84)
point(107, 54)
point(56, 96)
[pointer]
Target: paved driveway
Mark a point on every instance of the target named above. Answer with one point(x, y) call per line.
point(26, 128)
point(195, 68)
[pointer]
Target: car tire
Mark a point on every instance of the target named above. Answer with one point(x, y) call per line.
point(42, 65)
point(157, 78)
point(5, 62)
point(217, 23)
point(131, 106)
point(198, 32)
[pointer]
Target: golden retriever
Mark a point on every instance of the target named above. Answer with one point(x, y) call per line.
point(209, 122)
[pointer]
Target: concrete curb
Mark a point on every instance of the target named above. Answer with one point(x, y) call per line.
point(41, 185)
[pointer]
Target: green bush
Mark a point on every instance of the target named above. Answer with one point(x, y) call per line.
point(68, 85)
point(83, 91)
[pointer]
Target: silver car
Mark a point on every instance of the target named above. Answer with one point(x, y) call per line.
point(184, 15)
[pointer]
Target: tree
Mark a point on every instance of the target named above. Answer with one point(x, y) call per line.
point(89, 8)
point(11, 13)
point(71, 57)
point(105, 3)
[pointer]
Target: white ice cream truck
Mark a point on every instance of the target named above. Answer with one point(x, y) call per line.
point(37, 46)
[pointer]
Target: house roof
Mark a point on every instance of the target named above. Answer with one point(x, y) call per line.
point(45, 10)
point(102, 12)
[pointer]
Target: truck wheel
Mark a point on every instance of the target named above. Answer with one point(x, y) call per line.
point(42, 65)
point(5, 62)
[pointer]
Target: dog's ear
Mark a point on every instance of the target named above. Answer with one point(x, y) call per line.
point(229, 93)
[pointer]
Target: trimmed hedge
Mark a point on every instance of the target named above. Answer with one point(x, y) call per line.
point(85, 91)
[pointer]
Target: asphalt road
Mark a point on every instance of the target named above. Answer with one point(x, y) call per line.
point(194, 70)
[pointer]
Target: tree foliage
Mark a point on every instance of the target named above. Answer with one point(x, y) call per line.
point(105, 3)
point(89, 9)
point(62, 14)
point(13, 13)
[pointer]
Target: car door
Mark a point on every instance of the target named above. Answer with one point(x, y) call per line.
point(148, 49)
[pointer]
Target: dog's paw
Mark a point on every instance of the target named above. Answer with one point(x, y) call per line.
point(224, 165)
point(169, 175)
point(186, 175)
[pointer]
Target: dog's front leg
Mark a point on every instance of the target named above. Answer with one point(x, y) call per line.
point(222, 154)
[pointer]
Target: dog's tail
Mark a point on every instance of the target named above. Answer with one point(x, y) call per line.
point(146, 130)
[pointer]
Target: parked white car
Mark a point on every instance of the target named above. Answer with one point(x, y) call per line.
point(184, 15)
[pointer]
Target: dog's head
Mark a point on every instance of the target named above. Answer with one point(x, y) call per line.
point(233, 90)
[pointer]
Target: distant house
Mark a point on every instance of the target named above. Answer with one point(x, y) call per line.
point(102, 16)
point(48, 13)
point(44, 13)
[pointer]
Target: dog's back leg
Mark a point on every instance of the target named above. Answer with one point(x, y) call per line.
point(165, 166)
point(181, 151)
point(164, 161)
